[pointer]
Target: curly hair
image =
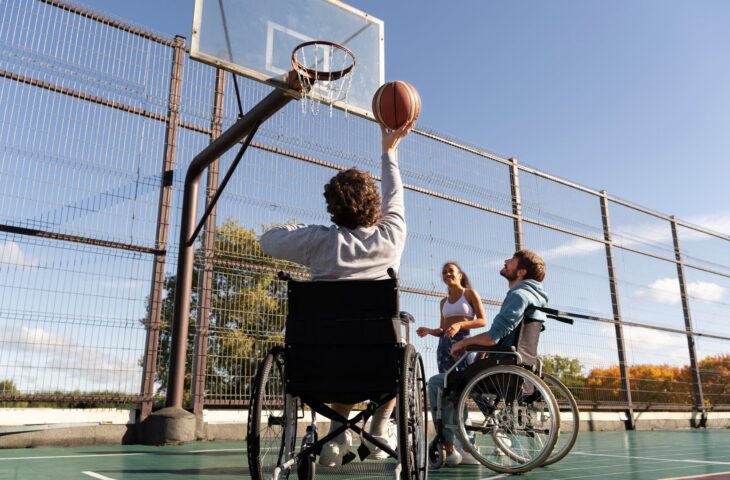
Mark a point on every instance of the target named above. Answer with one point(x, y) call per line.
point(352, 199)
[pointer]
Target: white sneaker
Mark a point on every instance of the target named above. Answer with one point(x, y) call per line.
point(454, 458)
point(466, 457)
point(333, 452)
point(390, 439)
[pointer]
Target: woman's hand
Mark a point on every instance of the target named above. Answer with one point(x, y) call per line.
point(391, 138)
point(423, 331)
point(453, 330)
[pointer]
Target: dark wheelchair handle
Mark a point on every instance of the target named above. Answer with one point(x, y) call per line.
point(556, 314)
point(406, 318)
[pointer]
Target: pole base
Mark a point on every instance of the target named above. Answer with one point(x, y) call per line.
point(169, 426)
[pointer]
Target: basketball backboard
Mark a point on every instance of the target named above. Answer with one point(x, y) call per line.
point(255, 38)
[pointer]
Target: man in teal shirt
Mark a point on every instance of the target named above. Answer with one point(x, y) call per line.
point(524, 272)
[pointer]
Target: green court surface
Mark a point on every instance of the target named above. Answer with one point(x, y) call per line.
point(609, 455)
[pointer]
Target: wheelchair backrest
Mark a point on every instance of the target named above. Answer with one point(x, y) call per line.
point(359, 312)
point(528, 338)
point(342, 340)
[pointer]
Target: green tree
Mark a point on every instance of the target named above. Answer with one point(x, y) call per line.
point(568, 370)
point(248, 308)
point(7, 389)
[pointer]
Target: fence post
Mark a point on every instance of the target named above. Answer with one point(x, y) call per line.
point(696, 379)
point(625, 382)
point(163, 227)
point(514, 183)
point(205, 281)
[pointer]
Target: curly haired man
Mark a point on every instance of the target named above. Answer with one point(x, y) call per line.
point(367, 239)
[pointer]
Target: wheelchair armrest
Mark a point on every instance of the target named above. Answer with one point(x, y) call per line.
point(492, 349)
point(406, 318)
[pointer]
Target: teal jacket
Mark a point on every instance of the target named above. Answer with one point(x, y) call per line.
point(525, 294)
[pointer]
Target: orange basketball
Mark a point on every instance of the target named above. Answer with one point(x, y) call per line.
point(396, 103)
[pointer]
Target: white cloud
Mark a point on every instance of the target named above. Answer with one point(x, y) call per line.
point(655, 347)
point(12, 254)
point(655, 233)
point(719, 222)
point(578, 246)
point(666, 290)
point(709, 291)
point(61, 363)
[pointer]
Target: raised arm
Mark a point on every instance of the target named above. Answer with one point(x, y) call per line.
point(392, 209)
point(293, 242)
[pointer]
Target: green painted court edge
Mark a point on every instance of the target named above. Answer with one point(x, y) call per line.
point(611, 455)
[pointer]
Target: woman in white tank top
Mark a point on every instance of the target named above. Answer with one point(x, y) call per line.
point(461, 310)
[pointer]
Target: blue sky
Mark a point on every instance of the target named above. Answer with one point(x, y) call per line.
point(628, 96)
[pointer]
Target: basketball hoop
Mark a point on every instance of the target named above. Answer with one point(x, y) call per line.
point(323, 71)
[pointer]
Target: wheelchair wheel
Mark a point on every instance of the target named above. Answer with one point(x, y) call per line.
point(436, 454)
point(412, 417)
point(268, 428)
point(569, 418)
point(513, 416)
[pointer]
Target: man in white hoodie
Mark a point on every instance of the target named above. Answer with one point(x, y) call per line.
point(367, 239)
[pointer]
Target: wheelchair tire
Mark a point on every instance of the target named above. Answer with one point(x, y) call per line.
point(569, 419)
point(436, 454)
point(267, 423)
point(412, 417)
point(306, 468)
point(513, 415)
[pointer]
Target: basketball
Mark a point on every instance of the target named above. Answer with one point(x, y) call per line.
point(396, 103)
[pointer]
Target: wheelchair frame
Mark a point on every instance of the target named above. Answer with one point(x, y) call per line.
point(276, 411)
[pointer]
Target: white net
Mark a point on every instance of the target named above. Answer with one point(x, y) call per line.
point(319, 67)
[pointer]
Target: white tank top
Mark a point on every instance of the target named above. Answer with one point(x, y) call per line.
point(460, 308)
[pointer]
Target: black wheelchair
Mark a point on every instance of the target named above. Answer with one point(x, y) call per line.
point(343, 344)
point(507, 411)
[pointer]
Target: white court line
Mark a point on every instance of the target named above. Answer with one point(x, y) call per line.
point(74, 456)
point(218, 450)
point(496, 476)
point(651, 458)
point(96, 475)
point(704, 475)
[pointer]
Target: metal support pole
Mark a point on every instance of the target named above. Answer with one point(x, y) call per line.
point(205, 283)
point(696, 378)
point(621, 347)
point(163, 227)
point(274, 102)
point(514, 183)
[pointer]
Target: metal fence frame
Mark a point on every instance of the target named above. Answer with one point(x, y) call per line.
point(173, 122)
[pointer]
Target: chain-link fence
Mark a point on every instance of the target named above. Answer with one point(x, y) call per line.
point(99, 121)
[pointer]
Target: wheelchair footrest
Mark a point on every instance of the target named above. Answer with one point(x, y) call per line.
point(363, 452)
point(349, 457)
